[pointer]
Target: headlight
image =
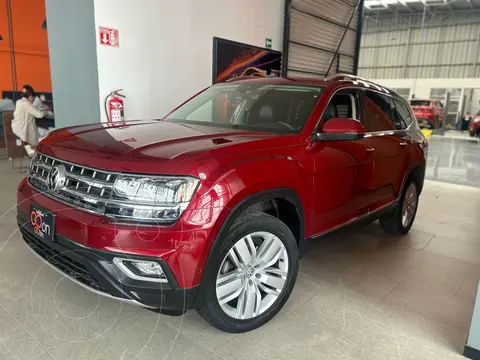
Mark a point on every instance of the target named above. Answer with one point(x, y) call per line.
point(475, 120)
point(150, 199)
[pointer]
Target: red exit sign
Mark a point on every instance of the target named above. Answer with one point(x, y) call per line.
point(108, 36)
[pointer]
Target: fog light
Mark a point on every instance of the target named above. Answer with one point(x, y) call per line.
point(141, 270)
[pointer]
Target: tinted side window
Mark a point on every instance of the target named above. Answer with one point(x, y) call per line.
point(397, 119)
point(403, 113)
point(380, 115)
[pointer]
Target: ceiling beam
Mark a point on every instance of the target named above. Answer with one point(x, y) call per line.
point(404, 3)
point(447, 4)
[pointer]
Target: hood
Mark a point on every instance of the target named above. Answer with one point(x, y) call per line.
point(141, 146)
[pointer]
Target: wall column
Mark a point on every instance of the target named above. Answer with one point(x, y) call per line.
point(73, 61)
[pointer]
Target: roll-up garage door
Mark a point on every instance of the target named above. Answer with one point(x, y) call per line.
point(321, 36)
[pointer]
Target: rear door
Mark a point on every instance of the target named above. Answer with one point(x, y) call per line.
point(388, 142)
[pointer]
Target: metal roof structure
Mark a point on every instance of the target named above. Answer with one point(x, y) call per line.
point(416, 6)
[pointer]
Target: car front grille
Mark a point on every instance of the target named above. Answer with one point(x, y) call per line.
point(62, 261)
point(85, 188)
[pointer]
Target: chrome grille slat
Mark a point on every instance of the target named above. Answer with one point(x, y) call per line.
point(85, 188)
point(87, 181)
point(43, 166)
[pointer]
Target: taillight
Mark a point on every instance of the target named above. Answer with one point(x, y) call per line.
point(424, 146)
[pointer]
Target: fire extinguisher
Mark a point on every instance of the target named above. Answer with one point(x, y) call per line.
point(114, 107)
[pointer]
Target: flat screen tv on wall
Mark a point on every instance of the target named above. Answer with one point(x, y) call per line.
point(232, 59)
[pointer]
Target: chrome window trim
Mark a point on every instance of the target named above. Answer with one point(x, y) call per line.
point(370, 133)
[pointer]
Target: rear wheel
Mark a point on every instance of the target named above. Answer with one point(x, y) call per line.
point(251, 275)
point(401, 220)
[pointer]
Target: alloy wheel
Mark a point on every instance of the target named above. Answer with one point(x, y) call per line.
point(409, 206)
point(252, 275)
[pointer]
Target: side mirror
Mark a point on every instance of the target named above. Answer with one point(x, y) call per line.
point(341, 129)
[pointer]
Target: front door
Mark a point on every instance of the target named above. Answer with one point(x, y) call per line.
point(342, 169)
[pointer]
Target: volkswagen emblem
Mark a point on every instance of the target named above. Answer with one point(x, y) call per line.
point(56, 178)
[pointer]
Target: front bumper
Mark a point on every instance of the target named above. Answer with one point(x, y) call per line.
point(94, 270)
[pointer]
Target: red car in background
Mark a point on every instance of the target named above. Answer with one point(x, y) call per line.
point(474, 127)
point(429, 112)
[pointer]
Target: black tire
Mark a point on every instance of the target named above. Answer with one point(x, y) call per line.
point(247, 223)
point(392, 224)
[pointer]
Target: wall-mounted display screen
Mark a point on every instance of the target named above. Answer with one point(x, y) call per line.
point(232, 59)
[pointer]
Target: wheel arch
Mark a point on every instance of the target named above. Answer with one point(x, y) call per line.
point(416, 173)
point(285, 193)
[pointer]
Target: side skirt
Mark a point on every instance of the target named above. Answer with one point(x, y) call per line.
point(354, 223)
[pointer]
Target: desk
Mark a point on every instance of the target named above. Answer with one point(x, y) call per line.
point(9, 138)
point(45, 123)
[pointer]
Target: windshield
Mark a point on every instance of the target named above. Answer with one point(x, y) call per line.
point(419, 103)
point(251, 106)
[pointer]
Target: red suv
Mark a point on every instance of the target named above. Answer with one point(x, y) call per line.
point(209, 207)
point(429, 112)
point(474, 126)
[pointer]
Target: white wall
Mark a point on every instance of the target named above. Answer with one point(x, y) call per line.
point(421, 87)
point(165, 52)
point(399, 45)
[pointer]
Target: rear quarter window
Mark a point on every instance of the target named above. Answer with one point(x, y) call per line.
point(403, 113)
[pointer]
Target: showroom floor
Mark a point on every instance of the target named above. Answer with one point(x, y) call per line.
point(360, 295)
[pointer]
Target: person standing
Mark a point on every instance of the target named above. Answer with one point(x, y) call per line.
point(23, 123)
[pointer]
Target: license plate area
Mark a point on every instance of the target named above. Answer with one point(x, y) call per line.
point(43, 222)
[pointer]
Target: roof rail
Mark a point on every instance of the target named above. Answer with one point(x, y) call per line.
point(339, 77)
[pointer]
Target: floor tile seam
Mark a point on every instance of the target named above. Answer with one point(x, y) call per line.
point(27, 332)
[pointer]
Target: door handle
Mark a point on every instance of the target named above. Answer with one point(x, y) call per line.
point(403, 144)
point(369, 151)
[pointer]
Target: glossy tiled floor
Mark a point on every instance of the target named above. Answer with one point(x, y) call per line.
point(361, 295)
point(454, 158)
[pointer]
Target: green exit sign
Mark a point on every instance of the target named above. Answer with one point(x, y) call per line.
point(268, 43)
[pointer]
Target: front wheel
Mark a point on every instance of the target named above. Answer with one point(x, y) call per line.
point(401, 220)
point(250, 276)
